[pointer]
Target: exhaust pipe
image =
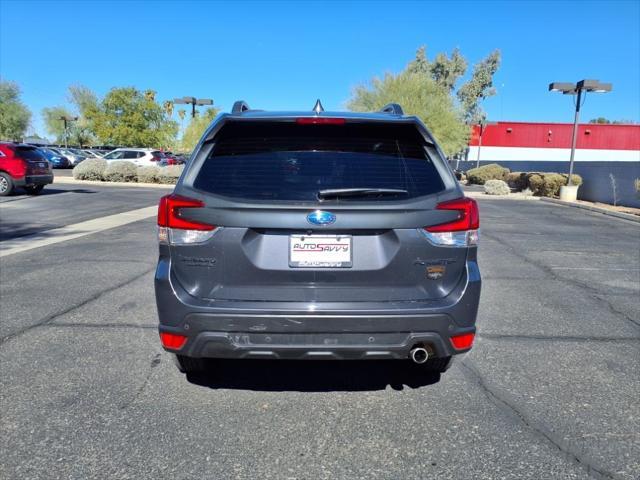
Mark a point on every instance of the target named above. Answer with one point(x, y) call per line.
point(419, 355)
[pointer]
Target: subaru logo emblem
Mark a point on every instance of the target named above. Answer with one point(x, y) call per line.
point(320, 217)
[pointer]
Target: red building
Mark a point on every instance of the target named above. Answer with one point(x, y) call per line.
point(605, 154)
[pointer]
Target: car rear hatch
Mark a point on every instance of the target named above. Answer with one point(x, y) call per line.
point(36, 162)
point(301, 211)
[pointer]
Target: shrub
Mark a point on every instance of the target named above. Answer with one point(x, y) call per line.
point(120, 171)
point(517, 180)
point(551, 183)
point(548, 184)
point(534, 182)
point(170, 174)
point(496, 187)
point(493, 171)
point(90, 169)
point(575, 179)
point(148, 174)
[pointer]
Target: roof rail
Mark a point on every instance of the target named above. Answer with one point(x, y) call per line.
point(240, 106)
point(393, 109)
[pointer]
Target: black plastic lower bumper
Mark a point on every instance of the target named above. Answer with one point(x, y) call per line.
point(34, 180)
point(316, 337)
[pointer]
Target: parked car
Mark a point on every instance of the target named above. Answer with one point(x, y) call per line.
point(140, 156)
point(23, 166)
point(172, 160)
point(56, 160)
point(317, 235)
point(73, 155)
point(181, 158)
point(89, 153)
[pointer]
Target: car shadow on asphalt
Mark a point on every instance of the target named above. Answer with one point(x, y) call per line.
point(313, 376)
point(19, 195)
point(12, 230)
point(53, 191)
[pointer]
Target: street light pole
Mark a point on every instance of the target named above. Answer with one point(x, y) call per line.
point(479, 144)
point(574, 137)
point(580, 89)
point(193, 102)
point(482, 127)
point(66, 119)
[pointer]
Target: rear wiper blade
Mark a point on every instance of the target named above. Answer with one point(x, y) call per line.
point(359, 192)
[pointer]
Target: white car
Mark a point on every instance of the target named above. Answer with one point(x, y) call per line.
point(143, 157)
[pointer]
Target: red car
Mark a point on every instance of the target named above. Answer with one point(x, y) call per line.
point(23, 166)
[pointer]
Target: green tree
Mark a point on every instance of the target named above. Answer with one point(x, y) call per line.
point(479, 87)
point(86, 104)
point(196, 128)
point(14, 115)
point(606, 121)
point(419, 95)
point(130, 117)
point(52, 123)
point(446, 71)
point(84, 100)
point(421, 63)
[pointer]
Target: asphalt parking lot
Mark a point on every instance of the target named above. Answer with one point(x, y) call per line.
point(550, 389)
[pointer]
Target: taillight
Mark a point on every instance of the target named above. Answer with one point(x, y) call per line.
point(155, 159)
point(463, 342)
point(460, 232)
point(174, 229)
point(319, 121)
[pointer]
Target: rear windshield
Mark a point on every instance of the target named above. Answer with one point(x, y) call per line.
point(29, 153)
point(288, 161)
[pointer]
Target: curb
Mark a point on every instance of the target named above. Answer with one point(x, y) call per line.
point(624, 216)
point(511, 196)
point(109, 184)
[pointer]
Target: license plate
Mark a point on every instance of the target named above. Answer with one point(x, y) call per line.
point(320, 251)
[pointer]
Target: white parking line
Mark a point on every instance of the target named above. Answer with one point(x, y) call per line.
point(603, 269)
point(69, 232)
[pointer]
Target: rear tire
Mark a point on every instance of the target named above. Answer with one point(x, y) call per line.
point(6, 185)
point(34, 189)
point(190, 364)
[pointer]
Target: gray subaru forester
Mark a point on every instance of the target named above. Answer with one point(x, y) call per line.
point(317, 235)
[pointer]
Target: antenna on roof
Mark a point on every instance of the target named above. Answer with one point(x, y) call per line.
point(318, 107)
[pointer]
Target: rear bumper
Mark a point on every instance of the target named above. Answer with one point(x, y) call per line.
point(293, 331)
point(34, 180)
point(323, 346)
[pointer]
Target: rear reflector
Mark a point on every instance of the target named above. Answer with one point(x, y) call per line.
point(176, 230)
point(319, 121)
point(463, 342)
point(172, 340)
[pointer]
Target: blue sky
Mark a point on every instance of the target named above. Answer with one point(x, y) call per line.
point(282, 55)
